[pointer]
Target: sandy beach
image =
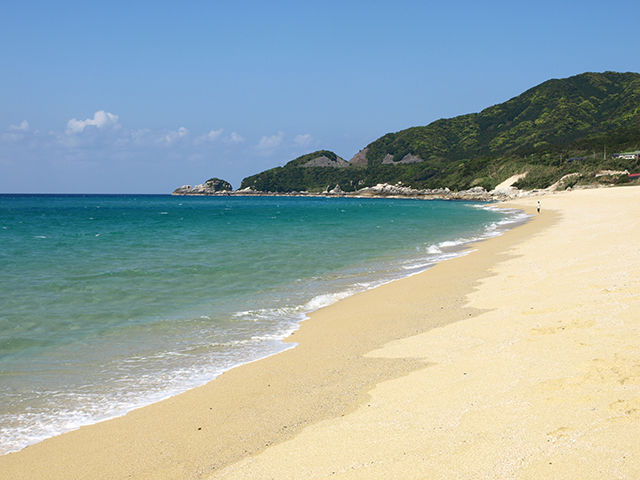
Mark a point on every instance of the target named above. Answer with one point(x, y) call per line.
point(518, 360)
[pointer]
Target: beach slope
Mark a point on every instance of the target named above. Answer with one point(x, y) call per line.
point(544, 383)
point(518, 360)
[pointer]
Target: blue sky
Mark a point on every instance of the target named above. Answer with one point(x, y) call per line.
point(143, 97)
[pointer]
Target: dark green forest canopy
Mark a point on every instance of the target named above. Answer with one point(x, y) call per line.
point(561, 126)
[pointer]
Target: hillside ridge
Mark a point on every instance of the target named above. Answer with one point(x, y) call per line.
point(558, 128)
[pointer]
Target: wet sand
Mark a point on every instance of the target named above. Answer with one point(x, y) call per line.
point(519, 360)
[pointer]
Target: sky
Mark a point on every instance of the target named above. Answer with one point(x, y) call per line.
point(147, 96)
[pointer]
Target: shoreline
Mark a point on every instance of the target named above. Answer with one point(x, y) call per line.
point(504, 192)
point(54, 450)
point(541, 381)
point(415, 261)
point(240, 423)
point(382, 190)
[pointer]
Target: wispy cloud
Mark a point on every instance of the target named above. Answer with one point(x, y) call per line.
point(212, 136)
point(24, 126)
point(268, 144)
point(103, 141)
point(235, 138)
point(216, 135)
point(104, 132)
point(303, 140)
point(15, 133)
point(170, 137)
point(73, 153)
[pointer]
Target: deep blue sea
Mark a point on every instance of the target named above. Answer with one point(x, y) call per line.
point(108, 303)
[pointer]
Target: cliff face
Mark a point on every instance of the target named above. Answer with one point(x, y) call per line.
point(321, 158)
point(323, 161)
point(359, 158)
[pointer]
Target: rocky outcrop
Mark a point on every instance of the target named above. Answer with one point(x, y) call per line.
point(324, 161)
point(407, 159)
point(218, 185)
point(334, 191)
point(473, 194)
point(213, 186)
point(360, 158)
point(384, 190)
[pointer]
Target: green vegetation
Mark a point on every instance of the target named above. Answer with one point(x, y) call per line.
point(561, 127)
point(218, 185)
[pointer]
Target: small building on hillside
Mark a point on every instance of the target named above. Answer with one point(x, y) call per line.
point(628, 155)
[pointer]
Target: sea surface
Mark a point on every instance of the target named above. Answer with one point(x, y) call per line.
point(109, 303)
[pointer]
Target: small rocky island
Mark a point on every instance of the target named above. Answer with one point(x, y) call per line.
point(213, 186)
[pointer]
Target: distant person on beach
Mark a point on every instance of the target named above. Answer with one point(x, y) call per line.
point(538, 206)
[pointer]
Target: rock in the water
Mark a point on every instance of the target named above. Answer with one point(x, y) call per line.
point(213, 186)
point(218, 185)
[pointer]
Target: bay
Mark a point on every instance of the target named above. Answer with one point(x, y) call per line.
point(109, 303)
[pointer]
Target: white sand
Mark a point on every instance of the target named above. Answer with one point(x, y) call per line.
point(545, 384)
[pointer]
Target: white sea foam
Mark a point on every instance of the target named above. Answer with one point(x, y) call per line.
point(327, 299)
point(451, 243)
point(23, 429)
point(433, 249)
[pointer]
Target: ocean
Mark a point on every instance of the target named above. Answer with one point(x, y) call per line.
point(112, 302)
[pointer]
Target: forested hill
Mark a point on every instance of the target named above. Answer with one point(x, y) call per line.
point(555, 112)
point(561, 126)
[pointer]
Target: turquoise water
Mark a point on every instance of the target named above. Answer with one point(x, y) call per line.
point(108, 303)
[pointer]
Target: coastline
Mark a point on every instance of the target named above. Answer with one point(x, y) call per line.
point(502, 193)
point(222, 430)
point(263, 322)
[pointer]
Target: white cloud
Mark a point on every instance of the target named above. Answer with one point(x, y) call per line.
point(269, 144)
point(303, 140)
point(22, 127)
point(15, 132)
point(101, 119)
point(171, 136)
point(215, 135)
point(235, 138)
point(148, 138)
point(102, 140)
point(212, 136)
